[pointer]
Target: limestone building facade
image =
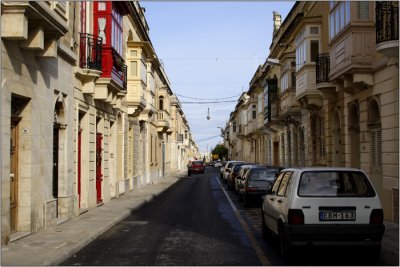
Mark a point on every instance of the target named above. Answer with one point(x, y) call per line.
point(331, 93)
point(88, 112)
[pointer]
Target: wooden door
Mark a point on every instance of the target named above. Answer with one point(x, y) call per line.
point(99, 174)
point(13, 174)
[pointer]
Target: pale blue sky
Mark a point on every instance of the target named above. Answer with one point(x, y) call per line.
point(210, 51)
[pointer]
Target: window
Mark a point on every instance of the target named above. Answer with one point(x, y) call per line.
point(283, 186)
point(254, 112)
point(314, 46)
point(161, 103)
point(277, 183)
point(363, 10)
point(339, 17)
point(334, 184)
point(284, 82)
point(116, 30)
point(234, 127)
point(260, 100)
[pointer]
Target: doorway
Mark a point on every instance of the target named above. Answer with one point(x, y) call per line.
point(276, 154)
point(14, 174)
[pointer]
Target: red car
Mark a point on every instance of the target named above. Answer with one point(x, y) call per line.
point(197, 166)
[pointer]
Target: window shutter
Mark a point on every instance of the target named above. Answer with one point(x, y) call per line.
point(376, 149)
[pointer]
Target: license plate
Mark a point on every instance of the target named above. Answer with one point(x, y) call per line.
point(344, 215)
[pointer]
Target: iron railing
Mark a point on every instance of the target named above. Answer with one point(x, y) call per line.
point(90, 51)
point(387, 21)
point(322, 68)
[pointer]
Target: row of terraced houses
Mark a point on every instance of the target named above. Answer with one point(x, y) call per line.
point(87, 111)
point(327, 94)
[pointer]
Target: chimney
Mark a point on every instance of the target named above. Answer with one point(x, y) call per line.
point(277, 22)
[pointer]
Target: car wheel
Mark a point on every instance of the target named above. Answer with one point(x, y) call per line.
point(284, 246)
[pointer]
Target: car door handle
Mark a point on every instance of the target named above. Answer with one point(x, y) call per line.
point(272, 199)
point(279, 201)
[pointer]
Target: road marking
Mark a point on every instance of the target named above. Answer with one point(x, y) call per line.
point(259, 252)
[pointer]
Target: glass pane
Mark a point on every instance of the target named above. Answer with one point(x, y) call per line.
point(133, 68)
point(363, 10)
point(314, 50)
point(133, 53)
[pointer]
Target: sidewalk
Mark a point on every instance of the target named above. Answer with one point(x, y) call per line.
point(53, 246)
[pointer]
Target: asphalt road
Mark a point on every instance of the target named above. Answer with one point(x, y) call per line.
point(198, 221)
point(192, 223)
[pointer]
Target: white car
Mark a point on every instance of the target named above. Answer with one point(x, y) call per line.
point(227, 169)
point(323, 206)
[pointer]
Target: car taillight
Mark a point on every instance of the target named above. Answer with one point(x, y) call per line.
point(251, 189)
point(295, 216)
point(376, 216)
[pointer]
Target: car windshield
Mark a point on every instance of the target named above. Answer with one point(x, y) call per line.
point(263, 175)
point(334, 184)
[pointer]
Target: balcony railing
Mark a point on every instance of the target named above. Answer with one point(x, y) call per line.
point(322, 68)
point(90, 53)
point(387, 21)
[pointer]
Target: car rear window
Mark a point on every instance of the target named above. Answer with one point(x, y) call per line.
point(335, 184)
point(237, 167)
point(197, 163)
point(263, 175)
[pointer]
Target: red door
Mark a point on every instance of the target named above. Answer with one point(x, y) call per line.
point(99, 175)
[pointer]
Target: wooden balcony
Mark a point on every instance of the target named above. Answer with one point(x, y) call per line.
point(387, 28)
point(288, 106)
point(352, 55)
point(163, 121)
point(306, 89)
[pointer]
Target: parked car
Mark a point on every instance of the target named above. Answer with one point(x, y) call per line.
point(324, 206)
point(221, 170)
point(228, 168)
point(197, 166)
point(257, 181)
point(232, 175)
point(240, 176)
point(218, 164)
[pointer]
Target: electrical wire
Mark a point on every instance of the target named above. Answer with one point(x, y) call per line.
point(208, 98)
point(205, 139)
point(208, 102)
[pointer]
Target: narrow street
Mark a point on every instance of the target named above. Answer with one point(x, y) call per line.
point(192, 223)
point(198, 222)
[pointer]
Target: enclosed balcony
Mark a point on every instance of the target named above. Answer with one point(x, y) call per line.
point(387, 28)
point(324, 84)
point(163, 119)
